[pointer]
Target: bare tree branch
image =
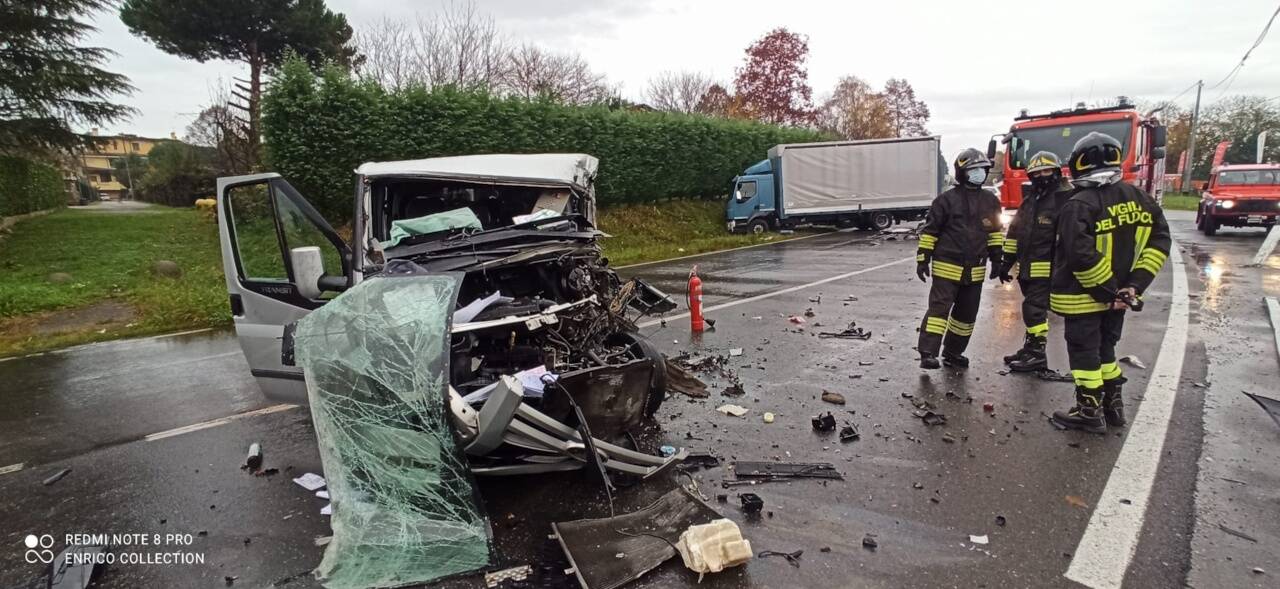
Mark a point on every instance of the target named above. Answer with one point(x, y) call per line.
point(677, 91)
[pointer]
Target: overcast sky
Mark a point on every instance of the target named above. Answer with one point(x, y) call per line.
point(975, 63)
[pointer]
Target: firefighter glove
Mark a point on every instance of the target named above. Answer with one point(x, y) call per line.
point(922, 270)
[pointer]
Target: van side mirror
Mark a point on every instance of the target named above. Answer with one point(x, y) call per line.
point(308, 272)
point(991, 149)
point(1159, 136)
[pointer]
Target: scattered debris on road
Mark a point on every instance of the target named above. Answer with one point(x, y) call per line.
point(1271, 406)
point(735, 352)
point(833, 398)
point(852, 331)
point(518, 573)
point(777, 470)
point(731, 409)
point(793, 558)
point(56, 477)
point(751, 503)
point(311, 481)
point(1237, 533)
point(1001, 521)
point(798, 320)
point(980, 540)
point(1133, 361)
point(869, 542)
point(682, 381)
point(713, 547)
point(849, 433)
point(930, 418)
point(1076, 501)
point(767, 417)
point(824, 423)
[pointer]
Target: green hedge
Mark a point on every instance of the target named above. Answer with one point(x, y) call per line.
point(27, 186)
point(317, 129)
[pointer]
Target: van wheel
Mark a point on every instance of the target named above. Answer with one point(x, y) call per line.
point(658, 379)
point(880, 221)
point(757, 227)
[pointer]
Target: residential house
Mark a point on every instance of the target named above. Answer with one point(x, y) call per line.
point(98, 162)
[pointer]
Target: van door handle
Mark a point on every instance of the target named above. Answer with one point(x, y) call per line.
point(237, 306)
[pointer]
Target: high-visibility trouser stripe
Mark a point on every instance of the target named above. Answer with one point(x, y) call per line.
point(1089, 379)
point(1077, 304)
point(1110, 371)
point(948, 271)
point(1151, 260)
point(1038, 329)
point(959, 327)
point(928, 241)
point(995, 239)
point(1010, 246)
point(936, 325)
point(976, 273)
point(1098, 274)
point(1041, 269)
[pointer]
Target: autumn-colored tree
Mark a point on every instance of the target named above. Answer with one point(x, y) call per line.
point(716, 102)
point(907, 114)
point(773, 84)
point(855, 111)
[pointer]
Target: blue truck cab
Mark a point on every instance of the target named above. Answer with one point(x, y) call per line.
point(753, 201)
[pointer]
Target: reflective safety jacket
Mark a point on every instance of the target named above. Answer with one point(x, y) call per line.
point(961, 232)
point(1031, 235)
point(1109, 237)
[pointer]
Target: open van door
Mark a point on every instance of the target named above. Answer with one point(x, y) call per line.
point(281, 260)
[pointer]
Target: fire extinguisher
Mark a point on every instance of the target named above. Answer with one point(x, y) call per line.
point(694, 301)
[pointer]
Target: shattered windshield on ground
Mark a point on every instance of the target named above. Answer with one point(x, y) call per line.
point(405, 509)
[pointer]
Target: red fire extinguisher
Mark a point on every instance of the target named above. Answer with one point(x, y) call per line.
point(694, 301)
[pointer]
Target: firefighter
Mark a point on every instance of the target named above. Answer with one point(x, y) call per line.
point(961, 233)
point(1112, 241)
point(1029, 244)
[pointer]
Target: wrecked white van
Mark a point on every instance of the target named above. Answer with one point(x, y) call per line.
point(542, 352)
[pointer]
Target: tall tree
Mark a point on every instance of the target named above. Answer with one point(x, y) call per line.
point(563, 77)
point(773, 84)
point(1238, 119)
point(218, 128)
point(717, 102)
point(907, 114)
point(856, 111)
point(48, 82)
point(677, 91)
point(257, 32)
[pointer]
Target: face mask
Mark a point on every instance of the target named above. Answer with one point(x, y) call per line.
point(976, 176)
point(1043, 183)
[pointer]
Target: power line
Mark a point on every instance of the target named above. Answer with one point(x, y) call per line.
point(1263, 35)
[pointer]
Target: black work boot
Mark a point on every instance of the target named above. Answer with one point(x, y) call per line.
point(1112, 403)
point(955, 360)
point(1022, 353)
point(1034, 359)
point(1087, 413)
point(929, 362)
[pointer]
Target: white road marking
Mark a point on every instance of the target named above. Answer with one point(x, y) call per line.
point(732, 249)
point(1273, 309)
point(12, 468)
point(1268, 245)
point(186, 429)
point(775, 293)
point(1109, 541)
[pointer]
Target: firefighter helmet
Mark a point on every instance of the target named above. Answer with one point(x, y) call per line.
point(1095, 152)
point(1044, 160)
point(970, 159)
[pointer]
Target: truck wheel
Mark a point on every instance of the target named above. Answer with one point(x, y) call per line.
point(757, 227)
point(880, 221)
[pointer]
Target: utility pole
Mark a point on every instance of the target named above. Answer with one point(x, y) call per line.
point(1191, 142)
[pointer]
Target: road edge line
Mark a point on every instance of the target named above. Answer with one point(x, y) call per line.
point(775, 293)
point(1110, 540)
point(1268, 246)
point(195, 427)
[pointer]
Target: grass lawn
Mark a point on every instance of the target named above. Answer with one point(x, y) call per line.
point(643, 233)
point(112, 292)
point(1177, 201)
point(108, 256)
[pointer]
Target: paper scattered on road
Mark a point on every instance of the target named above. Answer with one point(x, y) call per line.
point(735, 352)
point(1133, 361)
point(327, 509)
point(978, 539)
point(731, 409)
point(310, 481)
point(322, 493)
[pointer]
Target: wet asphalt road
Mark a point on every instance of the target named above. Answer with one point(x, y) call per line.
point(89, 409)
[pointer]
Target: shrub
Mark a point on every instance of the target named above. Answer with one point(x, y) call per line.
point(27, 186)
point(318, 128)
